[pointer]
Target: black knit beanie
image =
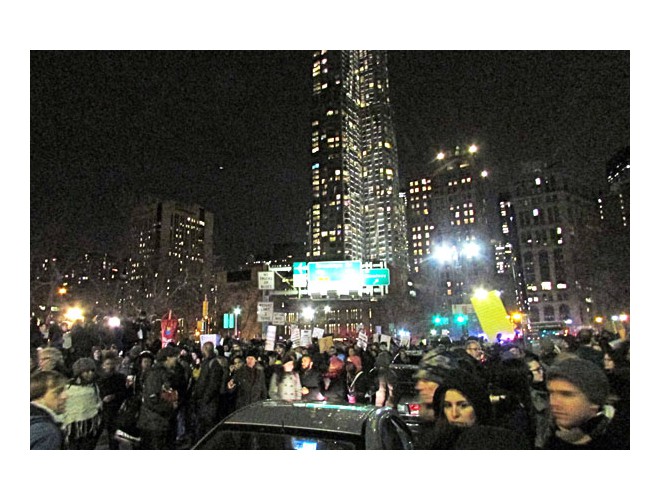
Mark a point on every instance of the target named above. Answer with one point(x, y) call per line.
point(583, 374)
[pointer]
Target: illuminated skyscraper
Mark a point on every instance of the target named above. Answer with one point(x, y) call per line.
point(356, 212)
point(171, 249)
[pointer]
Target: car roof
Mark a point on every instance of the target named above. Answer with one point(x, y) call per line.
point(348, 419)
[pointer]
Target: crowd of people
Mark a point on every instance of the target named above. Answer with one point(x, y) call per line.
point(88, 384)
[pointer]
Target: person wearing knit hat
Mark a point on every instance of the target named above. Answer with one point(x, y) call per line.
point(160, 401)
point(581, 417)
point(82, 417)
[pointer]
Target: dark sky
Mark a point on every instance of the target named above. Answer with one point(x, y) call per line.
point(230, 130)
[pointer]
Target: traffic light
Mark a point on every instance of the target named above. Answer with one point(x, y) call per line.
point(440, 320)
point(460, 318)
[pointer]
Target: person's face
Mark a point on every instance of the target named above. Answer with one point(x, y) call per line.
point(170, 362)
point(306, 363)
point(288, 366)
point(87, 376)
point(108, 366)
point(536, 370)
point(250, 361)
point(55, 399)
point(426, 389)
point(569, 406)
point(458, 410)
point(474, 350)
point(97, 355)
point(46, 362)
point(608, 362)
point(145, 364)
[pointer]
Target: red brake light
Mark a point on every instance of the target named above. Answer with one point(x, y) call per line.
point(414, 408)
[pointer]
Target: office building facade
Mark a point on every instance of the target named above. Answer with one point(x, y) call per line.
point(170, 255)
point(356, 212)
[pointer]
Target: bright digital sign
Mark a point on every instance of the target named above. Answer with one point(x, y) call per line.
point(341, 276)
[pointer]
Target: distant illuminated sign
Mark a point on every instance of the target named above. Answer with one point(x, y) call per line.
point(492, 315)
point(342, 276)
point(299, 274)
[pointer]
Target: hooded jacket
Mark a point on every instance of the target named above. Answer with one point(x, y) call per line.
point(45, 432)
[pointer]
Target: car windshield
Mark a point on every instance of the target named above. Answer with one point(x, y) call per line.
point(258, 439)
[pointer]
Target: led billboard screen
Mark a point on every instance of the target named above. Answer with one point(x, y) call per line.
point(342, 276)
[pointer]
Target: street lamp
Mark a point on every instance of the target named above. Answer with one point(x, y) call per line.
point(237, 311)
point(308, 313)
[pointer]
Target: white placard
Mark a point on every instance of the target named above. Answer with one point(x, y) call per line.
point(295, 336)
point(264, 311)
point(266, 280)
point(318, 332)
point(387, 339)
point(271, 333)
point(279, 319)
point(209, 337)
point(305, 338)
point(362, 340)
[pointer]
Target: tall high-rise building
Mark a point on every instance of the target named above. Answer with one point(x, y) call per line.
point(463, 211)
point(170, 252)
point(614, 256)
point(557, 227)
point(356, 211)
point(420, 222)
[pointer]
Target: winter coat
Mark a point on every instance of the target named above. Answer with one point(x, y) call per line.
point(113, 385)
point(209, 387)
point(609, 430)
point(312, 380)
point(286, 388)
point(157, 414)
point(45, 432)
point(82, 418)
point(250, 385)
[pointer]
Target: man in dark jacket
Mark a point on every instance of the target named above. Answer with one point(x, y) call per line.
point(157, 420)
point(47, 400)
point(310, 380)
point(113, 392)
point(249, 381)
point(581, 419)
point(208, 388)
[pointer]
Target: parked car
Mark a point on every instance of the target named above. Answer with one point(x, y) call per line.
point(405, 399)
point(278, 425)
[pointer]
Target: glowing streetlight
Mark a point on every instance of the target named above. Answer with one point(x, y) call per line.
point(471, 250)
point(440, 156)
point(114, 322)
point(444, 254)
point(481, 294)
point(74, 314)
point(237, 311)
point(308, 313)
point(473, 149)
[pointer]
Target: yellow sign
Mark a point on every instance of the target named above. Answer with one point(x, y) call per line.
point(325, 343)
point(492, 315)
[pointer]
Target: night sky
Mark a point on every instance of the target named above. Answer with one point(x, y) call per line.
point(230, 130)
